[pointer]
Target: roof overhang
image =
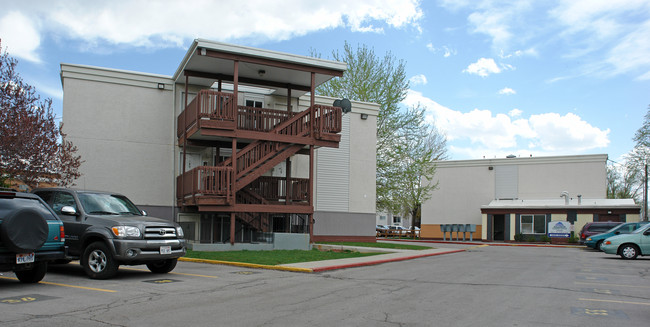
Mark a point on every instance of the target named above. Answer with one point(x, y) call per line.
point(207, 62)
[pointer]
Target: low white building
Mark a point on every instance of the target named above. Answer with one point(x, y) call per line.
point(500, 196)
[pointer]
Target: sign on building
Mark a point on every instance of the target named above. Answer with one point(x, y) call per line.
point(559, 229)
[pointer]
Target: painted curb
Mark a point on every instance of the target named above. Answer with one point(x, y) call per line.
point(488, 244)
point(246, 265)
point(376, 262)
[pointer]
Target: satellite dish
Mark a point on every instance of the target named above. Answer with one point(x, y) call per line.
point(346, 105)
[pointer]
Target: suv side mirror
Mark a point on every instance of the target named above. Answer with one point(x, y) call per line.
point(69, 211)
point(144, 213)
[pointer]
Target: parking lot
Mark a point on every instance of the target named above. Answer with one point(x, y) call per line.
point(483, 286)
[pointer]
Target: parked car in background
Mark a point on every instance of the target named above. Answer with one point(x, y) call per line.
point(629, 246)
point(596, 227)
point(105, 230)
point(31, 235)
point(595, 241)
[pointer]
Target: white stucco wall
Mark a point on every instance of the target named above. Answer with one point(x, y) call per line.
point(123, 126)
point(466, 185)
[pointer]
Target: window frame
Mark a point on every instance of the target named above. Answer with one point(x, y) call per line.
point(532, 231)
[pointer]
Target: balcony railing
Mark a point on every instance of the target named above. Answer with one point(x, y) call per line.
point(275, 188)
point(208, 105)
point(205, 181)
point(211, 109)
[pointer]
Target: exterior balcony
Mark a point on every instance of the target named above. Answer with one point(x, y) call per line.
point(213, 116)
point(210, 187)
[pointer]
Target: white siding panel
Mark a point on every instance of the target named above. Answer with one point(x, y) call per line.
point(332, 174)
point(506, 181)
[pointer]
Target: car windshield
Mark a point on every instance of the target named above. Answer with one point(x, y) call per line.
point(641, 229)
point(615, 228)
point(107, 204)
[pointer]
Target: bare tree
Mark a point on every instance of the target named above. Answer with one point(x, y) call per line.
point(33, 148)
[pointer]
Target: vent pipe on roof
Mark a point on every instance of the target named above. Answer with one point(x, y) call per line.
point(565, 194)
point(579, 199)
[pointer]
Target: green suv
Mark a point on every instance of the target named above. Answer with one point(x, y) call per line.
point(31, 235)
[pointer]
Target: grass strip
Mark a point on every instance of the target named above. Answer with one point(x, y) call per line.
point(381, 245)
point(276, 257)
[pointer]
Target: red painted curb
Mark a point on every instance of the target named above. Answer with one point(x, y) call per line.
point(371, 263)
point(490, 243)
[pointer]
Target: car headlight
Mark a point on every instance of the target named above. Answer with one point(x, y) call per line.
point(589, 239)
point(126, 231)
point(179, 232)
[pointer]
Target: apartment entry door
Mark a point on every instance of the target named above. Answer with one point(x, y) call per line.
point(498, 227)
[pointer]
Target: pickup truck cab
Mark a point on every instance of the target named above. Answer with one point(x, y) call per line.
point(105, 230)
point(31, 235)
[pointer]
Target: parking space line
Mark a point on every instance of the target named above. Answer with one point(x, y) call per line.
point(174, 273)
point(67, 285)
point(615, 301)
point(605, 284)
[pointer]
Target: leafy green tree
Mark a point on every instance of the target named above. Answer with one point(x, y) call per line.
point(33, 148)
point(406, 145)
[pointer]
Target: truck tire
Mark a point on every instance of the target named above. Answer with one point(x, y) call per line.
point(162, 266)
point(97, 261)
point(33, 275)
point(24, 231)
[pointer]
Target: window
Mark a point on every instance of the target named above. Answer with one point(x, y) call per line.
point(397, 219)
point(382, 217)
point(533, 224)
point(254, 103)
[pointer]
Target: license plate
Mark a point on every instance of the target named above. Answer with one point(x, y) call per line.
point(166, 249)
point(24, 258)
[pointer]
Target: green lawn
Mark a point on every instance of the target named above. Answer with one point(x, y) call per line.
point(381, 245)
point(276, 257)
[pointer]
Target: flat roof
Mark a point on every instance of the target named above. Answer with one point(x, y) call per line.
point(207, 59)
point(561, 204)
point(523, 160)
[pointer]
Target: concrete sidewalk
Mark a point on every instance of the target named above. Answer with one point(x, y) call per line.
point(390, 255)
point(394, 255)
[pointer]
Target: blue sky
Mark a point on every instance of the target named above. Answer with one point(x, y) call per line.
point(498, 77)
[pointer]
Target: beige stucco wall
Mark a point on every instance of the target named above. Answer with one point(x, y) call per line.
point(461, 191)
point(123, 127)
point(466, 185)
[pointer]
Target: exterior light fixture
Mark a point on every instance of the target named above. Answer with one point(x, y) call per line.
point(161, 86)
point(364, 116)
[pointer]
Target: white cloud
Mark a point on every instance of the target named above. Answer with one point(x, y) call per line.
point(481, 132)
point(507, 91)
point(418, 79)
point(447, 51)
point(20, 36)
point(174, 23)
point(483, 67)
point(515, 113)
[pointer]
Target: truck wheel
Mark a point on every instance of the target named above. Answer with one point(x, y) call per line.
point(25, 231)
point(98, 262)
point(33, 275)
point(162, 266)
point(628, 251)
